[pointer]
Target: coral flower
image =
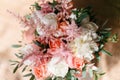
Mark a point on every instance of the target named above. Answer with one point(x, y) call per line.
point(75, 62)
point(40, 72)
point(78, 63)
point(55, 44)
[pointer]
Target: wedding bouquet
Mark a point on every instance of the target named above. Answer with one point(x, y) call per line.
point(60, 42)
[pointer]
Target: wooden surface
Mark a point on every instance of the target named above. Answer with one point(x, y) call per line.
point(10, 33)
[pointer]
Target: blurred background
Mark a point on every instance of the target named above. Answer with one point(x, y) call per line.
point(10, 34)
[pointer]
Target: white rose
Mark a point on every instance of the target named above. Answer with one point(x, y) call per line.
point(58, 67)
point(50, 19)
point(27, 49)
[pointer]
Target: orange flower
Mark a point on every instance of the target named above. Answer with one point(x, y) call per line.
point(62, 25)
point(78, 63)
point(40, 72)
point(55, 43)
point(40, 69)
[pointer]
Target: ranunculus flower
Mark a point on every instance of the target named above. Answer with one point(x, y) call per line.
point(58, 67)
point(55, 43)
point(40, 72)
point(75, 62)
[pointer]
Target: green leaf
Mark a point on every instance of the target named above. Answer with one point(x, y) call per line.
point(19, 56)
point(43, 46)
point(36, 5)
point(27, 75)
point(97, 55)
point(96, 77)
point(36, 33)
point(14, 61)
point(28, 16)
point(81, 14)
point(84, 71)
point(15, 69)
point(16, 46)
point(48, 78)
point(114, 38)
point(13, 64)
point(32, 77)
point(101, 74)
point(91, 73)
point(53, 4)
point(70, 75)
point(106, 52)
point(83, 74)
point(24, 68)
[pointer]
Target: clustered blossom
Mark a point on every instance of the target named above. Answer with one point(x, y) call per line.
point(55, 43)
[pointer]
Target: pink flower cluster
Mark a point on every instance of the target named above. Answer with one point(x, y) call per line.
point(52, 39)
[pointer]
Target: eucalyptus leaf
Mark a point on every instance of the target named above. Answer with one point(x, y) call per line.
point(16, 46)
point(91, 73)
point(19, 56)
point(13, 64)
point(32, 77)
point(14, 61)
point(28, 16)
point(27, 75)
point(15, 69)
point(114, 38)
point(96, 77)
point(36, 5)
point(24, 68)
point(101, 74)
point(106, 52)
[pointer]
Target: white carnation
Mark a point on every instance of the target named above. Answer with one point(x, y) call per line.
point(84, 46)
point(58, 67)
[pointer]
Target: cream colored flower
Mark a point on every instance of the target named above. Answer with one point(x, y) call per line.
point(83, 47)
point(58, 67)
point(50, 19)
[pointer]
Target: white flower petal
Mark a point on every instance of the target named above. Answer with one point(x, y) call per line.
point(58, 67)
point(50, 19)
